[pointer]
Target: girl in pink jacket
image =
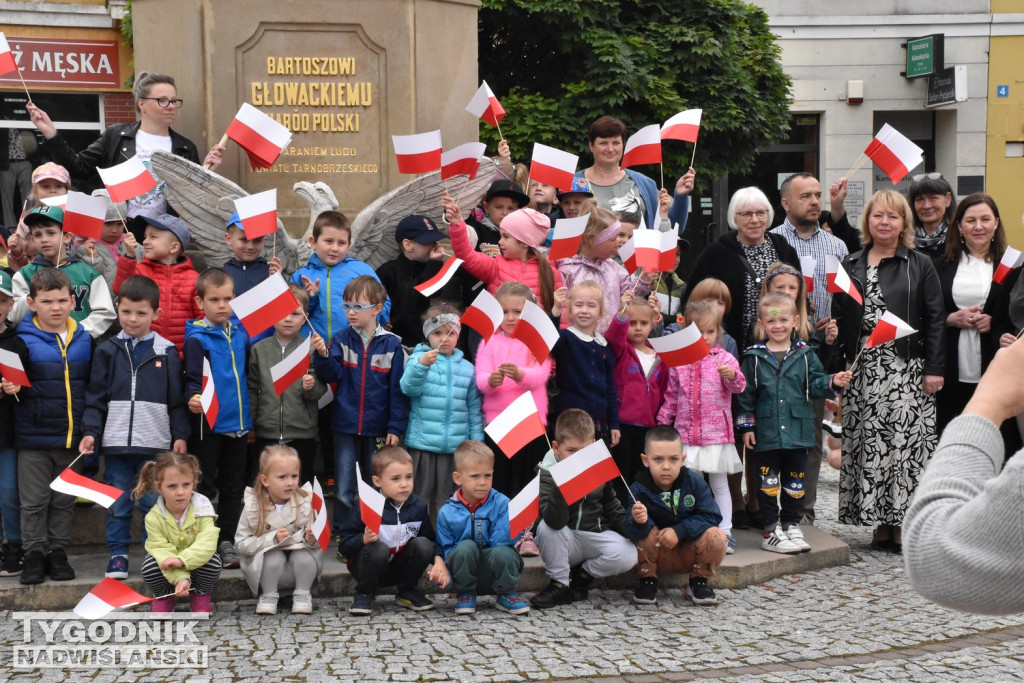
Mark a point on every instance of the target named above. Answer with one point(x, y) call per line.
point(698, 403)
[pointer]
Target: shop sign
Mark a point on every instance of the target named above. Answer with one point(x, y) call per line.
point(54, 63)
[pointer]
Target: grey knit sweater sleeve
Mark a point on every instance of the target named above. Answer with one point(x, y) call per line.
point(963, 536)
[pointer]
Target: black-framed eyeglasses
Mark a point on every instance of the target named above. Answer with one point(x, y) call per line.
point(930, 176)
point(164, 102)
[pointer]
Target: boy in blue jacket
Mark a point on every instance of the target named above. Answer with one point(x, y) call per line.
point(474, 535)
point(369, 409)
point(135, 408)
point(674, 521)
point(222, 450)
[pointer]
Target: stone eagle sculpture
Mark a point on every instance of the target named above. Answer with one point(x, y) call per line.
point(205, 200)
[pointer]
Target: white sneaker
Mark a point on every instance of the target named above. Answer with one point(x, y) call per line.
point(778, 542)
point(302, 602)
point(794, 534)
point(267, 604)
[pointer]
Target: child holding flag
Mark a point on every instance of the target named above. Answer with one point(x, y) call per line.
point(474, 535)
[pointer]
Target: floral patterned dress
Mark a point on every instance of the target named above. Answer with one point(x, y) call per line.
point(888, 428)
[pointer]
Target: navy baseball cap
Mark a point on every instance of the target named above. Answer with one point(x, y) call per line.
point(418, 229)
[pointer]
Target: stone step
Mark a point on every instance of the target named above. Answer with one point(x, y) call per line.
point(749, 565)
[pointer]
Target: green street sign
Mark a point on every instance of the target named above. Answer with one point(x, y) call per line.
point(924, 56)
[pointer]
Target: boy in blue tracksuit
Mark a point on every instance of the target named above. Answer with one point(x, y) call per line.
point(221, 450)
point(55, 352)
point(135, 408)
point(474, 536)
point(369, 409)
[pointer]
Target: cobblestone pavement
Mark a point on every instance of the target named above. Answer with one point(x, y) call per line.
point(858, 622)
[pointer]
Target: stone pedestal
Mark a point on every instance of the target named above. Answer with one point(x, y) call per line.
point(342, 75)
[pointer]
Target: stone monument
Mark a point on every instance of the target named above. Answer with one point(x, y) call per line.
point(342, 75)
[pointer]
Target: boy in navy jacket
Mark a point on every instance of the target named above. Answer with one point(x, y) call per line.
point(135, 408)
point(674, 522)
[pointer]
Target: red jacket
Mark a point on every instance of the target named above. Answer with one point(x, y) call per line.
point(177, 293)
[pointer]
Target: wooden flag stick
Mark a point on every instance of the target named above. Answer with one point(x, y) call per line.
point(124, 221)
point(639, 273)
point(661, 165)
point(857, 358)
point(223, 142)
point(694, 155)
point(1018, 337)
point(22, 78)
point(627, 488)
point(856, 165)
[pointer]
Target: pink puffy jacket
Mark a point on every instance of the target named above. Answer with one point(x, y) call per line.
point(698, 401)
point(492, 353)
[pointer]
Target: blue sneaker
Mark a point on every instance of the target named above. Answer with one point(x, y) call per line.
point(730, 548)
point(512, 603)
point(117, 568)
point(465, 603)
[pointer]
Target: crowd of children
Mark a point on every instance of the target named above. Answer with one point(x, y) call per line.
point(409, 398)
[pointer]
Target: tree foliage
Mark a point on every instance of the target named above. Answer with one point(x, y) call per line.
point(556, 65)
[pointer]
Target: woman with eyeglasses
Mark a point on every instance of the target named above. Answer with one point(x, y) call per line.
point(158, 104)
point(977, 307)
point(932, 202)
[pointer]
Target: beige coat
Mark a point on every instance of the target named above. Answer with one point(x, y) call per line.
point(251, 543)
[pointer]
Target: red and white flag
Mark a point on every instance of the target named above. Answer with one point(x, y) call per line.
point(1011, 260)
point(516, 426)
point(808, 264)
point(627, 252)
point(536, 330)
point(584, 471)
point(484, 105)
point(667, 257)
point(524, 508)
point(484, 315)
point(462, 160)
point(12, 369)
point(419, 153)
point(291, 368)
point(127, 180)
point(84, 214)
point(894, 153)
point(568, 235)
point(7, 63)
point(208, 395)
point(107, 596)
point(888, 328)
point(647, 247)
point(681, 348)
point(264, 305)
point(258, 213)
point(683, 126)
point(60, 200)
point(320, 528)
point(643, 147)
point(838, 281)
point(553, 166)
point(371, 503)
point(262, 138)
point(79, 486)
point(443, 276)
point(328, 396)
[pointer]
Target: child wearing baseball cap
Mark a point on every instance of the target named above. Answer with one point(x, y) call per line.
point(49, 180)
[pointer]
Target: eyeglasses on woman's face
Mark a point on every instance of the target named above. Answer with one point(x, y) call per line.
point(164, 102)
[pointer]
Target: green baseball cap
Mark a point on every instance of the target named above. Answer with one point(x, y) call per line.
point(42, 214)
point(6, 284)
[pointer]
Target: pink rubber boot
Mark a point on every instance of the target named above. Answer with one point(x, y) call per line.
point(201, 603)
point(162, 604)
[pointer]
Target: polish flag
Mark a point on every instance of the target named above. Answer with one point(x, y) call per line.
point(79, 486)
point(568, 235)
point(12, 369)
point(484, 315)
point(262, 138)
point(808, 264)
point(258, 213)
point(127, 180)
point(536, 330)
point(643, 147)
point(328, 396)
point(667, 257)
point(371, 503)
point(1011, 259)
point(291, 368)
point(443, 277)
point(627, 252)
point(320, 528)
point(418, 153)
point(524, 508)
point(516, 426)
point(647, 246)
point(84, 214)
point(681, 348)
point(838, 281)
point(208, 395)
point(486, 106)
point(462, 160)
point(7, 63)
point(895, 154)
point(553, 166)
point(584, 471)
point(264, 305)
point(107, 596)
point(683, 126)
point(888, 328)
point(60, 200)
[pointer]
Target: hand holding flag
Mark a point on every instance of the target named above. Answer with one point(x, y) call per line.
point(291, 368)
